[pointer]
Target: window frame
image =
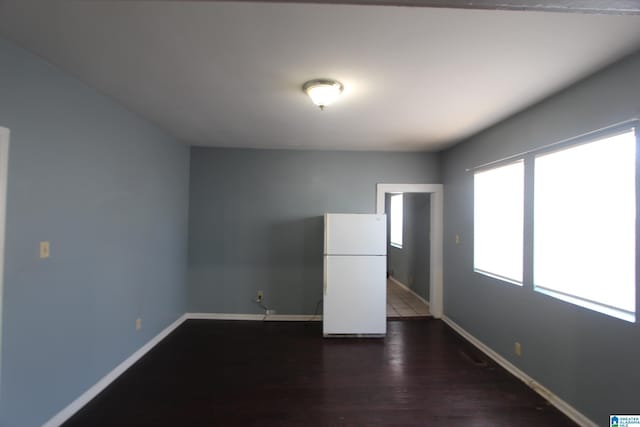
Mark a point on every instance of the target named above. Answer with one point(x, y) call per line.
point(566, 145)
point(497, 165)
point(528, 158)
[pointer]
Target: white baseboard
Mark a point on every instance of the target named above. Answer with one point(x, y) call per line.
point(104, 382)
point(556, 401)
point(271, 317)
point(93, 391)
point(411, 291)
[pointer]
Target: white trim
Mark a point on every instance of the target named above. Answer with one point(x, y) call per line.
point(627, 316)
point(436, 290)
point(256, 317)
point(4, 168)
point(556, 401)
point(224, 316)
point(498, 277)
point(105, 381)
point(66, 413)
point(408, 289)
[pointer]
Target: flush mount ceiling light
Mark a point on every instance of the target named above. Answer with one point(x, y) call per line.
point(323, 91)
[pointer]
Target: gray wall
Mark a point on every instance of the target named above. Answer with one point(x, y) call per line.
point(410, 264)
point(587, 358)
point(109, 191)
point(255, 220)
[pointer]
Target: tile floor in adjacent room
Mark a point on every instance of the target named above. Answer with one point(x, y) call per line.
point(402, 303)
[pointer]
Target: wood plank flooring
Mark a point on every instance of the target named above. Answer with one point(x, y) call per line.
point(235, 373)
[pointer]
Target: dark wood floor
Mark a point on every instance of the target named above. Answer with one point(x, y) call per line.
point(233, 373)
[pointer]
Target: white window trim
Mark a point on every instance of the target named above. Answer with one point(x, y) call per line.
point(589, 138)
point(585, 138)
point(591, 305)
point(495, 276)
point(498, 277)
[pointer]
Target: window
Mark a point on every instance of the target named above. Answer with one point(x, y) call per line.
point(585, 225)
point(581, 243)
point(498, 206)
point(396, 220)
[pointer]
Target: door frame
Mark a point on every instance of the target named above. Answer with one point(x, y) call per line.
point(436, 226)
point(4, 166)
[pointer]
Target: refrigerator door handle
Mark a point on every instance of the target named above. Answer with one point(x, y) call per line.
point(324, 277)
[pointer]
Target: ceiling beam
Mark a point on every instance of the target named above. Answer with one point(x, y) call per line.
point(609, 7)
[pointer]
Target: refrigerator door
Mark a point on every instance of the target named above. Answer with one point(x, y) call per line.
point(355, 234)
point(355, 295)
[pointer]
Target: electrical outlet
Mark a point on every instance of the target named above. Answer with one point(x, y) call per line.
point(457, 239)
point(138, 323)
point(517, 349)
point(259, 296)
point(270, 312)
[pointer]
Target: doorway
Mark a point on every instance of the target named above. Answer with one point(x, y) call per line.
point(408, 223)
point(435, 233)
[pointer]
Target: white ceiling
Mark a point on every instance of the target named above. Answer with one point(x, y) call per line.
point(230, 74)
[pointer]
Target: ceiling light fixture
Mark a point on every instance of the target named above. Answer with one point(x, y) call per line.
point(323, 91)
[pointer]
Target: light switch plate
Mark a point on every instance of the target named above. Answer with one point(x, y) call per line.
point(517, 349)
point(44, 250)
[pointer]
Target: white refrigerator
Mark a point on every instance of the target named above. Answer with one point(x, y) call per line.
point(355, 267)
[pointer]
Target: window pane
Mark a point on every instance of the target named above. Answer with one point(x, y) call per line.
point(584, 219)
point(498, 221)
point(396, 220)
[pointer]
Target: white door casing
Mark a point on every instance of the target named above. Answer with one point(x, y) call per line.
point(436, 304)
point(4, 165)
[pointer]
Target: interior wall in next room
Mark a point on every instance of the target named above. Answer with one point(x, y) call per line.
point(256, 220)
point(409, 265)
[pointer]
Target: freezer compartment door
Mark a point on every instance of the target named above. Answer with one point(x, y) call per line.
point(355, 234)
point(355, 297)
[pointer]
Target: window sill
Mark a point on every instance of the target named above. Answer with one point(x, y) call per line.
point(395, 245)
point(609, 311)
point(497, 276)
